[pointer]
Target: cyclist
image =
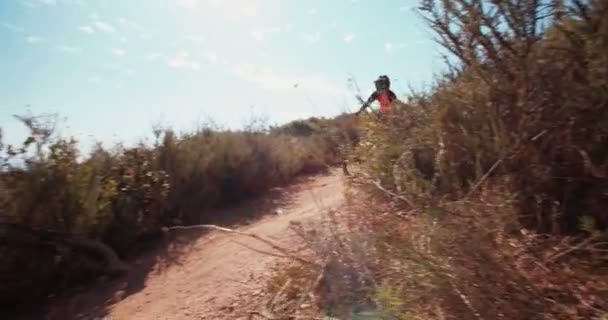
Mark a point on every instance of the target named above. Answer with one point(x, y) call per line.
point(383, 94)
point(387, 99)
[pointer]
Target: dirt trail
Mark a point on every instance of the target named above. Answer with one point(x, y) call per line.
point(216, 277)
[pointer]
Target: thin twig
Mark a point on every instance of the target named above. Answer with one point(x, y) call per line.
point(485, 176)
point(495, 165)
point(313, 287)
point(273, 245)
point(569, 250)
point(381, 188)
point(239, 282)
point(270, 317)
point(466, 301)
point(261, 251)
point(261, 314)
point(542, 133)
point(320, 278)
point(279, 293)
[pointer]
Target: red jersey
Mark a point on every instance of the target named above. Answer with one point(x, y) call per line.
point(386, 99)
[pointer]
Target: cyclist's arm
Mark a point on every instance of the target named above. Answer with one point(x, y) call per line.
point(368, 102)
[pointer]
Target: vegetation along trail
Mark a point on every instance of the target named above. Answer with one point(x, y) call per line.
point(219, 275)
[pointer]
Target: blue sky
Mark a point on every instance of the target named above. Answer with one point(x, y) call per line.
point(113, 68)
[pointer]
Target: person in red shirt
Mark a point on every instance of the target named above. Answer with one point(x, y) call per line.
point(383, 94)
point(387, 99)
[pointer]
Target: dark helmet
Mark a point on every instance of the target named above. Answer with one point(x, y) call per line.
point(383, 82)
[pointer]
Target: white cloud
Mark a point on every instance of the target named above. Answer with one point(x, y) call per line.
point(349, 37)
point(130, 24)
point(182, 60)
point(312, 37)
point(260, 33)
point(95, 79)
point(105, 27)
point(87, 29)
point(234, 9)
point(241, 9)
point(212, 57)
point(118, 52)
point(112, 66)
point(405, 8)
point(257, 35)
point(124, 39)
point(29, 4)
point(268, 79)
point(119, 69)
point(81, 3)
point(153, 56)
point(390, 47)
point(34, 39)
point(37, 3)
point(12, 27)
point(248, 11)
point(188, 4)
point(195, 38)
point(145, 36)
point(69, 49)
point(312, 11)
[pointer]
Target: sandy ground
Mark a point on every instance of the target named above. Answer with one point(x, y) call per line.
point(213, 276)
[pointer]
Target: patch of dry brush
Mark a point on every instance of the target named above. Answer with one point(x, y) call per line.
point(66, 218)
point(488, 193)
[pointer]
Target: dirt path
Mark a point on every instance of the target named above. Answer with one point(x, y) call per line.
point(215, 277)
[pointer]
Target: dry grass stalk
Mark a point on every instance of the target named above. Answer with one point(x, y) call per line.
point(273, 245)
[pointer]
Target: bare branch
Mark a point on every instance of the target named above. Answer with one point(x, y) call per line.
point(381, 188)
point(579, 246)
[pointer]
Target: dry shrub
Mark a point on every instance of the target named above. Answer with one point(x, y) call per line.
point(67, 218)
point(211, 167)
point(505, 162)
point(526, 99)
point(505, 269)
point(63, 220)
point(532, 95)
point(473, 259)
point(342, 283)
